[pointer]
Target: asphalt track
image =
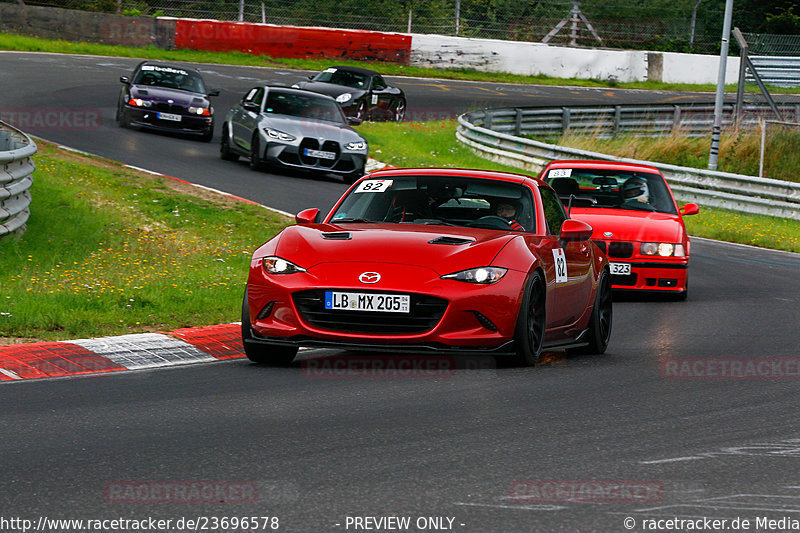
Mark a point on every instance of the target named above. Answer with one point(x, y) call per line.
point(665, 412)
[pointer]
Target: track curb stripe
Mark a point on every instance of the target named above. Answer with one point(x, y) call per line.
point(125, 352)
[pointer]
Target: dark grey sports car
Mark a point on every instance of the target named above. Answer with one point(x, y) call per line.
point(283, 127)
point(362, 93)
point(166, 98)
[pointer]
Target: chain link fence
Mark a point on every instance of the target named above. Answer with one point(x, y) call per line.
point(665, 25)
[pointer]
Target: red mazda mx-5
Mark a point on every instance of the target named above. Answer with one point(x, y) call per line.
point(635, 219)
point(440, 260)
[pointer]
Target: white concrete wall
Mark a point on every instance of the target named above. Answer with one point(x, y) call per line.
point(529, 59)
point(697, 68)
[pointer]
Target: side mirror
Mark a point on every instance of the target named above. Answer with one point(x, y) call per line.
point(213, 92)
point(311, 77)
point(354, 121)
point(689, 209)
point(252, 107)
point(124, 79)
point(307, 216)
point(575, 230)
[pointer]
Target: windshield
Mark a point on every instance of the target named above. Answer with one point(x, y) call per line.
point(618, 189)
point(171, 78)
point(304, 105)
point(440, 200)
point(348, 78)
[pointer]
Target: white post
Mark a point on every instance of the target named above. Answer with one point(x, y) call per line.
point(410, 11)
point(241, 10)
point(458, 16)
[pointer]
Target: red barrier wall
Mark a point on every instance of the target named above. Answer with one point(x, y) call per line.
point(290, 41)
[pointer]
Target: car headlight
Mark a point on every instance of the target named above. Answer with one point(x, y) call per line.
point(356, 145)
point(277, 134)
point(482, 275)
point(663, 249)
point(277, 265)
point(200, 111)
point(344, 97)
point(138, 102)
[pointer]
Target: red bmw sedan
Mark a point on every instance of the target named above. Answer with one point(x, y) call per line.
point(635, 219)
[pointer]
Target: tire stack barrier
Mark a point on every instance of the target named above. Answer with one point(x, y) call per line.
point(16, 178)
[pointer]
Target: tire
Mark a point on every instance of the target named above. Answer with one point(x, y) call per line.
point(601, 319)
point(531, 323)
point(225, 151)
point(122, 119)
point(399, 111)
point(256, 163)
point(263, 353)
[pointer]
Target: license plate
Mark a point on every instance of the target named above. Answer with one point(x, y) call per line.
point(169, 116)
point(620, 269)
point(359, 301)
point(320, 154)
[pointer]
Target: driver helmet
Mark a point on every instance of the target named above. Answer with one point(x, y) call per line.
point(505, 209)
point(635, 189)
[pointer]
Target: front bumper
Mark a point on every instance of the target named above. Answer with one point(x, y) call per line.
point(475, 318)
point(189, 124)
point(660, 276)
point(293, 156)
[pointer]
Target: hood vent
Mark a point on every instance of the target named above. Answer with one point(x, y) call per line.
point(142, 92)
point(453, 241)
point(338, 236)
point(197, 101)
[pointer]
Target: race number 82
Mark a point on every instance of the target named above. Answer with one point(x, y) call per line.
point(561, 265)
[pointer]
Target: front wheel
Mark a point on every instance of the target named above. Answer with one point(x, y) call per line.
point(225, 151)
point(256, 163)
point(600, 322)
point(263, 353)
point(530, 329)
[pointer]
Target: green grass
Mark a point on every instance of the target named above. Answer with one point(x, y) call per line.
point(409, 144)
point(34, 44)
point(755, 230)
point(112, 251)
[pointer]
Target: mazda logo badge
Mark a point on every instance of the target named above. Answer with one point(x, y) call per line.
point(369, 277)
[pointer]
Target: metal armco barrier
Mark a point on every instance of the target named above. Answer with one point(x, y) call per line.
point(610, 121)
point(16, 170)
point(738, 192)
point(781, 71)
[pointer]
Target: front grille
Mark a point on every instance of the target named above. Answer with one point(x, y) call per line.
point(425, 313)
point(168, 108)
point(309, 143)
point(330, 146)
point(620, 249)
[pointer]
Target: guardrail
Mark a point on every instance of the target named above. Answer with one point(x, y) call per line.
point(781, 71)
point(16, 170)
point(738, 192)
point(610, 121)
